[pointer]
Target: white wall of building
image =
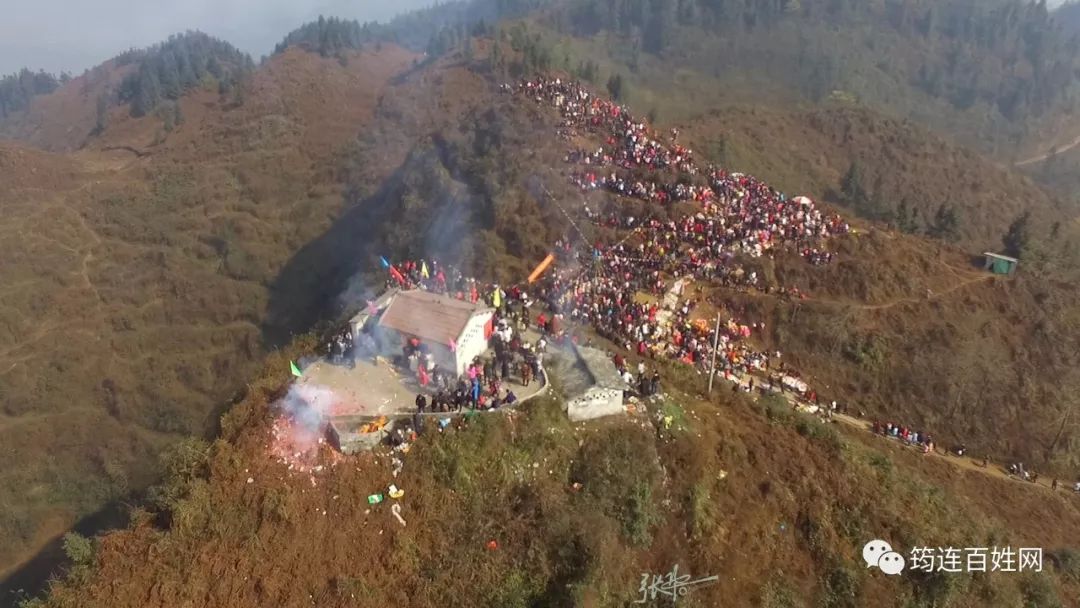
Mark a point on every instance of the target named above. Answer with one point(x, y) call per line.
point(472, 343)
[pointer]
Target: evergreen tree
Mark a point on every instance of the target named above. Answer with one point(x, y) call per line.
point(102, 114)
point(906, 218)
point(239, 93)
point(852, 189)
point(148, 92)
point(168, 76)
point(467, 51)
point(168, 117)
point(224, 88)
point(168, 70)
point(495, 56)
point(615, 87)
point(214, 67)
point(1018, 237)
point(945, 224)
point(17, 90)
point(661, 21)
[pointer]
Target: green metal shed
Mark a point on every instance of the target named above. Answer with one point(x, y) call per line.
point(1000, 264)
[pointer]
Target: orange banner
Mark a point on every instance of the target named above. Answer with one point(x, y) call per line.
point(541, 268)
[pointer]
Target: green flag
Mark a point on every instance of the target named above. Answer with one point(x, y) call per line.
point(295, 370)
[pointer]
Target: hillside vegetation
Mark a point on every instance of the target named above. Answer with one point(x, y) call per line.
point(493, 517)
point(137, 274)
point(999, 75)
point(139, 82)
point(178, 65)
point(880, 168)
point(153, 270)
point(16, 90)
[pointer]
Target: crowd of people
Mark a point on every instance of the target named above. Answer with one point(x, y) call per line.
point(485, 384)
point(737, 215)
point(340, 347)
point(646, 385)
point(906, 434)
point(926, 444)
point(742, 213)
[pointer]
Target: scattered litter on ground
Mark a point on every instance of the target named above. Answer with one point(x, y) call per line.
point(395, 509)
point(375, 499)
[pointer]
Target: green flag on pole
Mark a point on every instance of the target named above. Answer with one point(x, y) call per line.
point(295, 370)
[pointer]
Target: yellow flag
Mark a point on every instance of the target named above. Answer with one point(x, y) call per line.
point(496, 298)
point(424, 271)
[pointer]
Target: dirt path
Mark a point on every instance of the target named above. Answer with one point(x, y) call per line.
point(883, 306)
point(1042, 157)
point(964, 462)
point(931, 297)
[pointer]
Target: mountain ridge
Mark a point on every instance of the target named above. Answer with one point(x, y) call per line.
point(249, 214)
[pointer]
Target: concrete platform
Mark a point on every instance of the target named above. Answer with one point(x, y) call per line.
point(381, 390)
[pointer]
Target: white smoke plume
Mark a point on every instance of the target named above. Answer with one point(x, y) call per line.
point(299, 432)
point(309, 405)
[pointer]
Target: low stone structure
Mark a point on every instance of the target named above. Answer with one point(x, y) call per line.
point(592, 385)
point(345, 434)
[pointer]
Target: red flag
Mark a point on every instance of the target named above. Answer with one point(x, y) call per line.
point(397, 275)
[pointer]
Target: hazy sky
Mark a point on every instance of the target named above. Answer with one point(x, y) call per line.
point(77, 34)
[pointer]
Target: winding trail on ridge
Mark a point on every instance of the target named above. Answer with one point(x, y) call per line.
point(1042, 157)
point(884, 305)
point(967, 463)
point(931, 297)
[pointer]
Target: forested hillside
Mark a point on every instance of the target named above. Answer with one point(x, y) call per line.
point(1000, 75)
point(1068, 15)
point(146, 275)
point(16, 90)
point(435, 29)
point(549, 513)
point(138, 82)
point(170, 69)
point(884, 169)
point(993, 73)
point(136, 272)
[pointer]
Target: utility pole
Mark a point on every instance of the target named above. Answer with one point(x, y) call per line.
point(715, 345)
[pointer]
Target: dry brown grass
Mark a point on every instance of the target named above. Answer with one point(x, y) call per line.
point(194, 251)
point(809, 152)
point(134, 287)
point(791, 512)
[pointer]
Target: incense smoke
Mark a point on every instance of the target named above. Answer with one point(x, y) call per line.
point(299, 431)
point(308, 405)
